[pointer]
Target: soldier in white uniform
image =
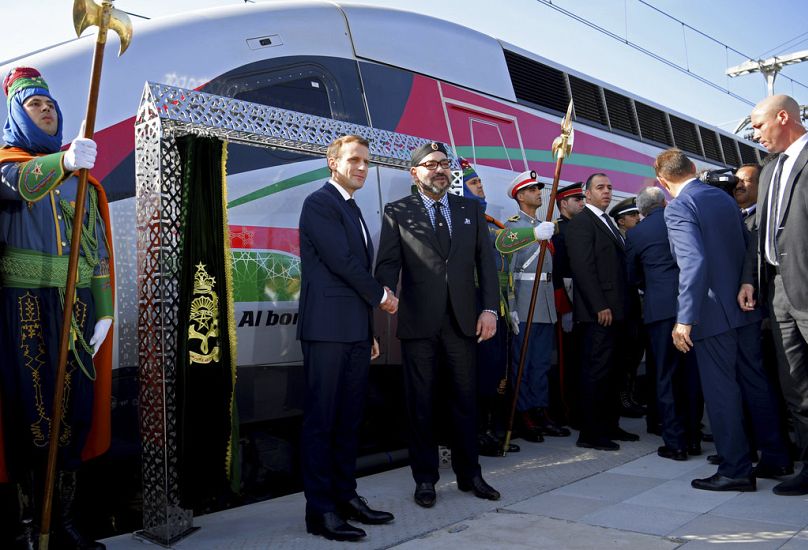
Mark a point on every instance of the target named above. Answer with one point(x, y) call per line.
point(534, 395)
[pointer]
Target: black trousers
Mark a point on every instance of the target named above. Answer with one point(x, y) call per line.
point(336, 386)
point(678, 388)
point(422, 365)
point(599, 399)
point(790, 331)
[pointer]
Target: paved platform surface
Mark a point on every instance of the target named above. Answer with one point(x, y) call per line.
point(554, 495)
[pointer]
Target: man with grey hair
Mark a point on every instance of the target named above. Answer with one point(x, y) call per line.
point(651, 267)
point(650, 199)
point(777, 261)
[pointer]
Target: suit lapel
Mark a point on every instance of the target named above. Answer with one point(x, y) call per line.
point(602, 226)
point(351, 215)
point(459, 213)
point(422, 222)
point(796, 170)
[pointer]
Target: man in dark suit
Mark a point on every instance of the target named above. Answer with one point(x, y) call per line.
point(777, 262)
point(337, 297)
point(708, 243)
point(600, 292)
point(439, 245)
point(652, 268)
point(746, 193)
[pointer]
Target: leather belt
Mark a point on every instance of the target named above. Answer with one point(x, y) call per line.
point(523, 276)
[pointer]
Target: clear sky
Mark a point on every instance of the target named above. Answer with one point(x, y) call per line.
point(750, 26)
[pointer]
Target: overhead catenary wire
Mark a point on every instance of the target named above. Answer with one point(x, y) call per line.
point(684, 69)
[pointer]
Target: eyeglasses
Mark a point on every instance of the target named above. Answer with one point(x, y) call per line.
point(433, 164)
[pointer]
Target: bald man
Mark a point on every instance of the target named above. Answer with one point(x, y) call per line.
point(777, 261)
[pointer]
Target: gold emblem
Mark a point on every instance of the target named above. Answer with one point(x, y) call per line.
point(434, 146)
point(512, 236)
point(37, 171)
point(204, 317)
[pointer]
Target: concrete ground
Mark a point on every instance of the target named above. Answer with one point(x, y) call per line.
point(554, 495)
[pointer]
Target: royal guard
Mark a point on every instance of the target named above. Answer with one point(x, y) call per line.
point(492, 354)
point(564, 394)
point(37, 203)
point(521, 238)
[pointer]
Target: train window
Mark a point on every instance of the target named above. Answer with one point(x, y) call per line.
point(709, 140)
point(306, 94)
point(685, 135)
point(730, 152)
point(588, 101)
point(621, 114)
point(747, 153)
point(653, 124)
point(536, 83)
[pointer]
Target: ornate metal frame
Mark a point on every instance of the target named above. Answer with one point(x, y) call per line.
point(166, 113)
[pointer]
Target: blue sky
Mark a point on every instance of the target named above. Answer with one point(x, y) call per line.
point(533, 25)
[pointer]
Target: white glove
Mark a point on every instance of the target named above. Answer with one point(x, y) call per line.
point(544, 231)
point(81, 153)
point(100, 334)
point(566, 322)
point(515, 322)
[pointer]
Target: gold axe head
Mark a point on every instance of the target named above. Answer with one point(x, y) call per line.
point(86, 13)
point(562, 145)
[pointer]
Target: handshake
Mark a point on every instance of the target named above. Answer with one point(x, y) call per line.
point(390, 304)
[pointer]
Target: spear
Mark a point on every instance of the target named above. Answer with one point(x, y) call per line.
point(562, 147)
point(86, 13)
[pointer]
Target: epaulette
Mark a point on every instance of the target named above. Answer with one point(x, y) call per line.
point(514, 218)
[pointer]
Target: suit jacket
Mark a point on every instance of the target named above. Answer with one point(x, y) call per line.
point(338, 291)
point(408, 245)
point(708, 243)
point(650, 266)
point(793, 226)
point(598, 264)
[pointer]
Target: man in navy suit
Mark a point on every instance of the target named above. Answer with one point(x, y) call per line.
point(652, 268)
point(337, 297)
point(708, 242)
point(438, 244)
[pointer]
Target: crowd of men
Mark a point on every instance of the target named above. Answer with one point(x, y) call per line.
point(696, 285)
point(524, 324)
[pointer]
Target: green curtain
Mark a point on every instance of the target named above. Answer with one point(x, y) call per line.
point(207, 426)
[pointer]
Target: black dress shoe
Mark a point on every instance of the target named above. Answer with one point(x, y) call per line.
point(425, 494)
point(357, 508)
point(715, 459)
point(480, 487)
point(694, 449)
point(797, 485)
point(619, 434)
point(546, 425)
point(630, 408)
point(768, 471)
point(673, 454)
point(599, 443)
point(717, 482)
point(332, 527)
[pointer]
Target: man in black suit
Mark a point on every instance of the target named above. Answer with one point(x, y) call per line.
point(439, 244)
point(597, 258)
point(652, 268)
point(777, 261)
point(746, 193)
point(337, 297)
